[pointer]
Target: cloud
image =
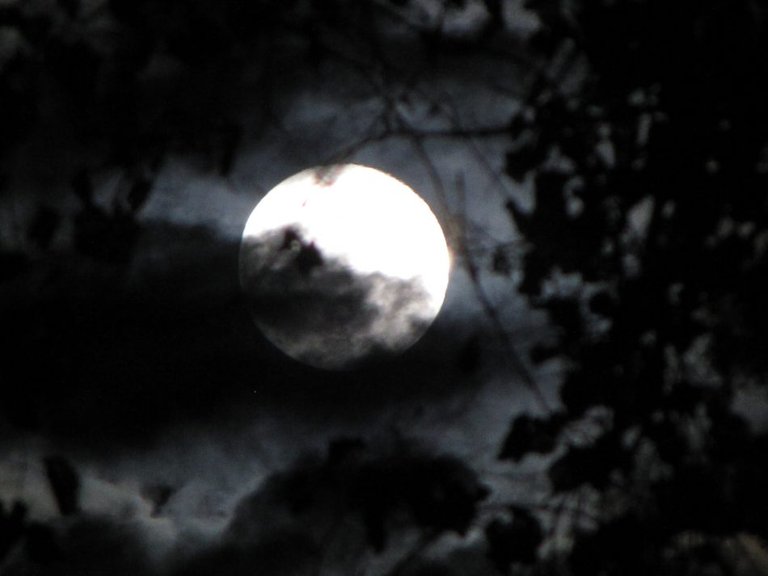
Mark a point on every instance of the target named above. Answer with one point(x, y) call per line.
point(281, 554)
point(322, 312)
point(87, 545)
point(337, 514)
point(362, 502)
point(111, 358)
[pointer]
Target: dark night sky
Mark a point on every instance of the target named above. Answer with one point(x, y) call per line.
point(132, 356)
point(590, 399)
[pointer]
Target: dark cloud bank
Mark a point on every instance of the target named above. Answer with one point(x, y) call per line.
point(335, 512)
point(109, 359)
point(105, 351)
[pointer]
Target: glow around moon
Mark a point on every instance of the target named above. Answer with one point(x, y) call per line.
point(343, 264)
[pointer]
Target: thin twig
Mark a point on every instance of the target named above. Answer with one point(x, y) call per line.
point(511, 354)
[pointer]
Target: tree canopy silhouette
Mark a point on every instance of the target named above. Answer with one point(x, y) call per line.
point(645, 246)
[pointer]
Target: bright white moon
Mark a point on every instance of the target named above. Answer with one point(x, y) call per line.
point(343, 264)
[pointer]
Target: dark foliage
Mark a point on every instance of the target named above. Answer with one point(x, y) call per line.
point(12, 526)
point(515, 540)
point(441, 494)
point(43, 227)
point(12, 263)
point(380, 491)
point(530, 434)
point(656, 209)
point(108, 235)
point(41, 544)
point(36, 539)
point(65, 483)
point(158, 495)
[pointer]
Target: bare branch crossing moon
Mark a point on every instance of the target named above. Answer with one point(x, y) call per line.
point(343, 264)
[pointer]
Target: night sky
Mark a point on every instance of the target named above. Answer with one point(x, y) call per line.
point(133, 365)
point(148, 427)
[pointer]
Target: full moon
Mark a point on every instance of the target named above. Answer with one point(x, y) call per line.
point(342, 265)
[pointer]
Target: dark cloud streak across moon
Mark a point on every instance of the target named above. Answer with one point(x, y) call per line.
point(329, 316)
